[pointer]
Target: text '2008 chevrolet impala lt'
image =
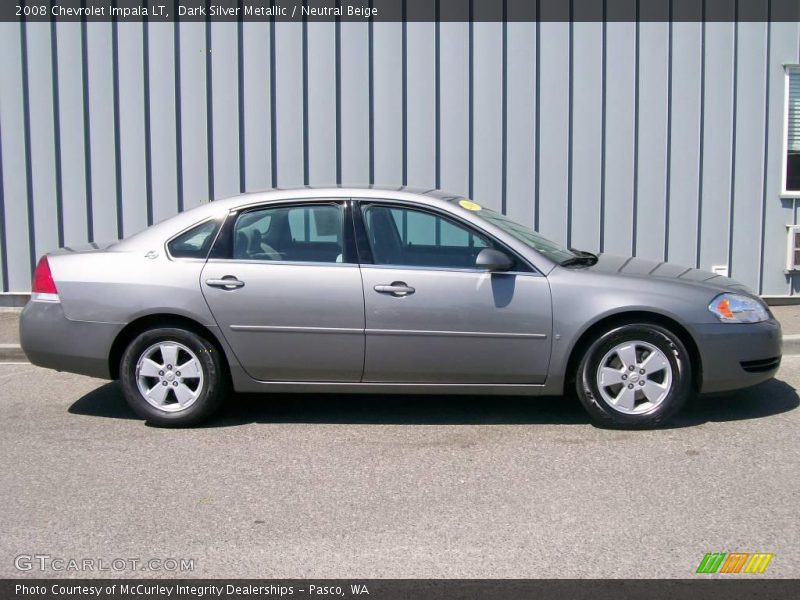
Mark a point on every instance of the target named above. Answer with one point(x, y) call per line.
point(387, 291)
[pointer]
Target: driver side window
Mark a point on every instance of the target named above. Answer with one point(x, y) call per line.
point(408, 237)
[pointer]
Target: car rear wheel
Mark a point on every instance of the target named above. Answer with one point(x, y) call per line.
point(172, 377)
point(634, 376)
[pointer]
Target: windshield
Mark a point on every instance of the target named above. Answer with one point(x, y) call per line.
point(526, 235)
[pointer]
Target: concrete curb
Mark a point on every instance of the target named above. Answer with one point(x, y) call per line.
point(14, 353)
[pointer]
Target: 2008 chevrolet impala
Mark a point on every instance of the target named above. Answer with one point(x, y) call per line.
point(397, 291)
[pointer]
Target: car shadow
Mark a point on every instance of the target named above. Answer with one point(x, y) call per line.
point(768, 399)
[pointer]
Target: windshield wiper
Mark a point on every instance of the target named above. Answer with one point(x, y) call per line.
point(582, 258)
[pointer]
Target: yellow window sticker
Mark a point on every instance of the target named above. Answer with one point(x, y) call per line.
point(469, 204)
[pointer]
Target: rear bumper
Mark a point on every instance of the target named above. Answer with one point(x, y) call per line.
point(49, 339)
point(736, 356)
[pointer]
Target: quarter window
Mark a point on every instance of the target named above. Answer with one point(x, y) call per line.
point(408, 237)
point(290, 233)
point(194, 243)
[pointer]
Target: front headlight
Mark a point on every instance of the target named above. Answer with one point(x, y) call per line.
point(734, 308)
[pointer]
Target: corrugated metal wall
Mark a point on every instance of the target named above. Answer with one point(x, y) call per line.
point(659, 139)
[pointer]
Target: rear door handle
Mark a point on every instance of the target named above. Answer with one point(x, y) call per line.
point(396, 288)
point(229, 282)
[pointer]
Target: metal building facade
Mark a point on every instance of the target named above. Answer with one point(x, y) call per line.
point(663, 140)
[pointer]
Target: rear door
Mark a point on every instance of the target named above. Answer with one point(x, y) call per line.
point(286, 293)
point(432, 317)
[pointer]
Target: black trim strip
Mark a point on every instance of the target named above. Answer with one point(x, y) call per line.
point(148, 152)
point(176, 40)
point(765, 166)
point(117, 145)
point(273, 111)
point(209, 108)
point(668, 187)
point(306, 175)
point(734, 114)
point(240, 99)
point(57, 130)
point(87, 132)
point(701, 136)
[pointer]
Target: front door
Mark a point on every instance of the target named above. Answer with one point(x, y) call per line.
point(431, 317)
point(286, 298)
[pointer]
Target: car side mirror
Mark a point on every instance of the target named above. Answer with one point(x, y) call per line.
point(490, 259)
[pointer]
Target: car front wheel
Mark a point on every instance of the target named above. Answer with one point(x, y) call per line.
point(634, 376)
point(172, 377)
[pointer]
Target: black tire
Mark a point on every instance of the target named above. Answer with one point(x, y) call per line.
point(604, 413)
point(214, 382)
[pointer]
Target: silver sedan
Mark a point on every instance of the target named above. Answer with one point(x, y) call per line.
point(367, 290)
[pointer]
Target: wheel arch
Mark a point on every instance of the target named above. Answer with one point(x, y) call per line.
point(152, 321)
point(638, 316)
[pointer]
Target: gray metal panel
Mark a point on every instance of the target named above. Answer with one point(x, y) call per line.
point(685, 146)
point(749, 158)
point(15, 189)
point(652, 146)
point(587, 147)
point(102, 131)
point(487, 166)
point(388, 90)
point(163, 153)
point(194, 147)
point(225, 96)
point(354, 107)
point(554, 124)
point(71, 132)
point(420, 105)
point(289, 105)
point(620, 108)
point(42, 142)
point(718, 138)
point(454, 114)
point(321, 103)
point(131, 128)
point(257, 108)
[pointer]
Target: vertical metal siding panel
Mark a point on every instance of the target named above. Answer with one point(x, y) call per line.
point(72, 150)
point(554, 133)
point(487, 116)
point(521, 121)
point(685, 157)
point(131, 128)
point(42, 140)
point(15, 189)
point(289, 108)
point(225, 101)
point(620, 84)
point(388, 87)
point(653, 107)
point(193, 114)
point(163, 150)
point(354, 69)
point(717, 144)
point(102, 132)
point(321, 103)
point(778, 212)
point(454, 115)
point(749, 159)
point(420, 105)
point(257, 159)
point(587, 135)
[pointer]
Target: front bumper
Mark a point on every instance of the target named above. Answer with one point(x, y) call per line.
point(49, 339)
point(736, 356)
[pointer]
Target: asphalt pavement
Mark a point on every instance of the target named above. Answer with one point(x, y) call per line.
point(387, 486)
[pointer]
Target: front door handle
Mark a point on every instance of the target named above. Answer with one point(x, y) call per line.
point(397, 289)
point(229, 282)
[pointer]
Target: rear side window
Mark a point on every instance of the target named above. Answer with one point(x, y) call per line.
point(194, 243)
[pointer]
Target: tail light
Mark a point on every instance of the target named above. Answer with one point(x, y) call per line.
point(43, 281)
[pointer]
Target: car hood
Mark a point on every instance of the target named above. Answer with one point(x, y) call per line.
point(643, 268)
